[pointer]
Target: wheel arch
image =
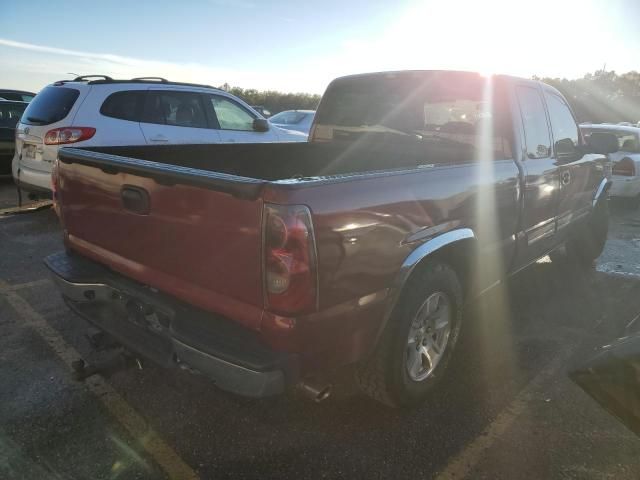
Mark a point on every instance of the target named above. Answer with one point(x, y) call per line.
point(455, 247)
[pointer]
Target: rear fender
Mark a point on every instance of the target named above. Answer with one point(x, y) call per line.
point(428, 249)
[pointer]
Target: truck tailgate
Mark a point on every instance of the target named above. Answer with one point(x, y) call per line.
point(191, 234)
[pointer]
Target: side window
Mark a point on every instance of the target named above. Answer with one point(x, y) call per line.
point(534, 120)
point(180, 109)
point(231, 116)
point(563, 125)
point(124, 105)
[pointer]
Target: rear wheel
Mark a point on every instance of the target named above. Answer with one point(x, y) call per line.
point(418, 341)
point(587, 242)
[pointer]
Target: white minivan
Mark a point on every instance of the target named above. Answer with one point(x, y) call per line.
point(100, 111)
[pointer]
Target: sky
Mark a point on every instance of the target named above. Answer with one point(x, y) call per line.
point(300, 46)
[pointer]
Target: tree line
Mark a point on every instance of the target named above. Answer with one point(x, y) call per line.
point(602, 97)
point(273, 100)
point(596, 97)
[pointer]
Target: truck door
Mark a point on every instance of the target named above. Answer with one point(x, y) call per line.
point(579, 174)
point(542, 179)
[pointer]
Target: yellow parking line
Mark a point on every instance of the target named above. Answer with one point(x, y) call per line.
point(163, 454)
point(22, 286)
point(462, 465)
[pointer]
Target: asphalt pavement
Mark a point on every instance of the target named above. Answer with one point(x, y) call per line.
point(506, 410)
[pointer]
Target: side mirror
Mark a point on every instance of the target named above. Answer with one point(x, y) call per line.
point(260, 125)
point(603, 143)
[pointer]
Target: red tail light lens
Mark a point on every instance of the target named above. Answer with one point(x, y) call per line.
point(289, 260)
point(64, 135)
point(625, 167)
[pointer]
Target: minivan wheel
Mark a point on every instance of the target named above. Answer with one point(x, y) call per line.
point(418, 341)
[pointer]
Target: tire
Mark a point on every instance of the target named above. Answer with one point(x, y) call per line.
point(385, 376)
point(587, 242)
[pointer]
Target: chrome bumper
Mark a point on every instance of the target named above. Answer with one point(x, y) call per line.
point(145, 323)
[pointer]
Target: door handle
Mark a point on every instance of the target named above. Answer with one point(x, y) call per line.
point(565, 178)
point(159, 138)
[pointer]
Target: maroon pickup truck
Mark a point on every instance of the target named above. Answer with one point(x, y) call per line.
point(265, 266)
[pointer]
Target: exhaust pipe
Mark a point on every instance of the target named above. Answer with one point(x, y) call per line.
point(318, 392)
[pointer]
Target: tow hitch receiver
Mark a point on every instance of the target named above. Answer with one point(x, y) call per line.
point(116, 363)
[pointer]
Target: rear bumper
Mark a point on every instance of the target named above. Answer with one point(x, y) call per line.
point(34, 181)
point(171, 333)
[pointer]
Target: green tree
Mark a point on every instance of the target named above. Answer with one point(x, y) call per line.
point(273, 100)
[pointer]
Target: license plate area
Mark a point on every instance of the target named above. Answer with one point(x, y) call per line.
point(136, 325)
point(29, 151)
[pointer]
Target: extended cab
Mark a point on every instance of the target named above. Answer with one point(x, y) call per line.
point(265, 266)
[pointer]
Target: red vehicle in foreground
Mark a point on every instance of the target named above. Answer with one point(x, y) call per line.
point(265, 266)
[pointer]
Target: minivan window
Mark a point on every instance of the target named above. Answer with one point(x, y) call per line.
point(126, 105)
point(534, 120)
point(51, 105)
point(448, 110)
point(231, 116)
point(180, 109)
point(10, 113)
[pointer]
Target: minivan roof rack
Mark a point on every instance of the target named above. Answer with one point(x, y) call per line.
point(157, 79)
point(161, 80)
point(87, 77)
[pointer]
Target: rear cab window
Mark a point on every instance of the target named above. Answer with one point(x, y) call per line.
point(443, 110)
point(50, 106)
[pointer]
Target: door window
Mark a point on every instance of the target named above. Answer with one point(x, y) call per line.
point(534, 119)
point(179, 109)
point(231, 116)
point(565, 130)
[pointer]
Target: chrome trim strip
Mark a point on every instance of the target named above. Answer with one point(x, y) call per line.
point(602, 188)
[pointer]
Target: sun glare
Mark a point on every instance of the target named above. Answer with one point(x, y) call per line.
point(489, 36)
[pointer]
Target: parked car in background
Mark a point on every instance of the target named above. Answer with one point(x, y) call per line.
point(267, 266)
point(98, 110)
point(10, 113)
point(299, 120)
point(16, 95)
point(626, 162)
point(261, 110)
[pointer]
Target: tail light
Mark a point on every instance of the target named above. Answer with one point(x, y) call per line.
point(64, 135)
point(289, 260)
point(625, 167)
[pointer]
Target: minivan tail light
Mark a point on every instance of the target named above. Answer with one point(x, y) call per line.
point(64, 135)
point(625, 167)
point(290, 271)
